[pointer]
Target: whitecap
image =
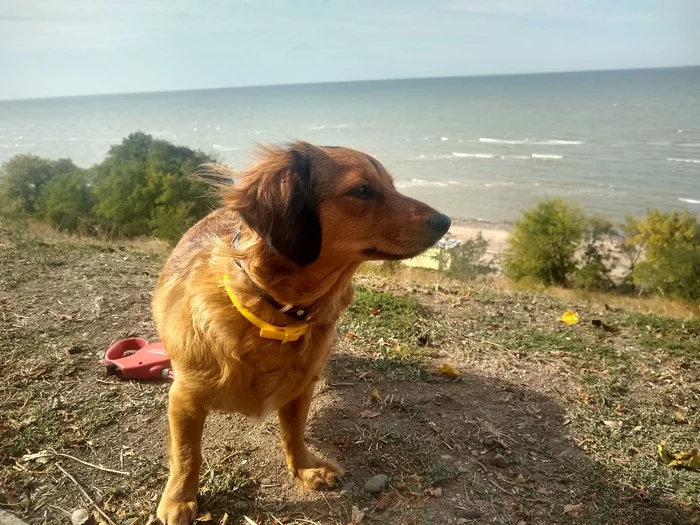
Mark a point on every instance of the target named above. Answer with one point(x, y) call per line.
point(557, 142)
point(472, 155)
point(546, 157)
point(444, 138)
point(329, 126)
point(689, 201)
point(688, 161)
point(488, 140)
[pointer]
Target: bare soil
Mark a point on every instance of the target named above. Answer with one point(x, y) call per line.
point(546, 423)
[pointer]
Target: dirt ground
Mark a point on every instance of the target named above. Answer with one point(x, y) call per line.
point(546, 423)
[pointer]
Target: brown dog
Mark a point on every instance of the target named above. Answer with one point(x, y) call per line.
point(280, 252)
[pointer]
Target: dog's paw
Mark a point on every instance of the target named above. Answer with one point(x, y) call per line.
point(323, 475)
point(176, 512)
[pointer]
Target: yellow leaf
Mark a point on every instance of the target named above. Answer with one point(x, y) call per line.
point(374, 394)
point(204, 517)
point(448, 371)
point(569, 318)
point(689, 459)
point(249, 521)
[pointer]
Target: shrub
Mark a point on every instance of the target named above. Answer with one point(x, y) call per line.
point(22, 179)
point(145, 184)
point(543, 243)
point(596, 257)
point(669, 244)
point(66, 202)
point(466, 261)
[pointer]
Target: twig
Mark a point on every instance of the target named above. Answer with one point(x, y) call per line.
point(65, 473)
point(52, 452)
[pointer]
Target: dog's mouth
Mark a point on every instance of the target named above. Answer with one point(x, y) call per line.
point(379, 255)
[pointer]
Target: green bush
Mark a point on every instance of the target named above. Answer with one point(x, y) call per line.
point(66, 202)
point(145, 186)
point(22, 179)
point(466, 261)
point(668, 253)
point(543, 243)
point(596, 258)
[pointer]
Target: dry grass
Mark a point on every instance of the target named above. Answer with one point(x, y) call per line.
point(547, 424)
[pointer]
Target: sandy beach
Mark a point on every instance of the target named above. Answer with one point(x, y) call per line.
point(495, 234)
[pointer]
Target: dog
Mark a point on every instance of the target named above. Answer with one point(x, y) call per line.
point(247, 302)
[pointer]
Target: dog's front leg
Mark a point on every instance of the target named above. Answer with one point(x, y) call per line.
point(313, 472)
point(178, 505)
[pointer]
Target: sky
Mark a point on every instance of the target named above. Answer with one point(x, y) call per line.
point(51, 48)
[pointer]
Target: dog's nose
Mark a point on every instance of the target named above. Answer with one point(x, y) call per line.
point(439, 223)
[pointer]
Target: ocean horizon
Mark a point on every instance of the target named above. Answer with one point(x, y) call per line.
point(478, 148)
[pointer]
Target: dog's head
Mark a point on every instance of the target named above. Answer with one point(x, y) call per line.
point(310, 202)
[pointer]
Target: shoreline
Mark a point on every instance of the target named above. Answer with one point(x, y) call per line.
point(495, 233)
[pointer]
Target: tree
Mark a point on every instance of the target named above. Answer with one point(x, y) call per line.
point(543, 243)
point(23, 177)
point(597, 260)
point(66, 201)
point(669, 244)
point(145, 185)
point(467, 260)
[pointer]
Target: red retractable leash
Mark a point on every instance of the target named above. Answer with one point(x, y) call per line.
point(148, 360)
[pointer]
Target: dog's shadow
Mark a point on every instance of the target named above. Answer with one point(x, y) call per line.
point(478, 447)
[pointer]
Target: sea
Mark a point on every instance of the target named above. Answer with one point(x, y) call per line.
point(477, 148)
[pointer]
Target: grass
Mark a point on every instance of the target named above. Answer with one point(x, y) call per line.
point(576, 412)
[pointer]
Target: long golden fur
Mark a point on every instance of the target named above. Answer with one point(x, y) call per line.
point(309, 216)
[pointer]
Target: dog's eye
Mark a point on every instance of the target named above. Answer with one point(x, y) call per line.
point(362, 192)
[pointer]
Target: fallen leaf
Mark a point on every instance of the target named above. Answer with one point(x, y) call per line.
point(249, 521)
point(351, 335)
point(224, 519)
point(613, 424)
point(384, 502)
point(620, 409)
point(689, 459)
point(366, 374)
point(368, 414)
point(569, 318)
point(679, 417)
point(374, 312)
point(374, 394)
point(448, 371)
point(204, 517)
point(416, 478)
point(357, 516)
point(574, 510)
point(435, 492)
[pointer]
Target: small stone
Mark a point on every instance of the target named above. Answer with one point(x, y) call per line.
point(81, 517)
point(348, 487)
point(468, 514)
point(375, 484)
point(499, 461)
point(488, 442)
point(266, 481)
point(242, 506)
point(75, 349)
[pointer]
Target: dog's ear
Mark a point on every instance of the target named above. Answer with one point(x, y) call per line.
point(280, 204)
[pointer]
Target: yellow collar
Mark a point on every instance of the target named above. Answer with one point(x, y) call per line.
point(267, 331)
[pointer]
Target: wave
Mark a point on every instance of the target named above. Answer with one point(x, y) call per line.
point(501, 141)
point(472, 155)
point(546, 157)
point(329, 126)
point(224, 148)
point(689, 201)
point(552, 142)
point(688, 161)
point(424, 183)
